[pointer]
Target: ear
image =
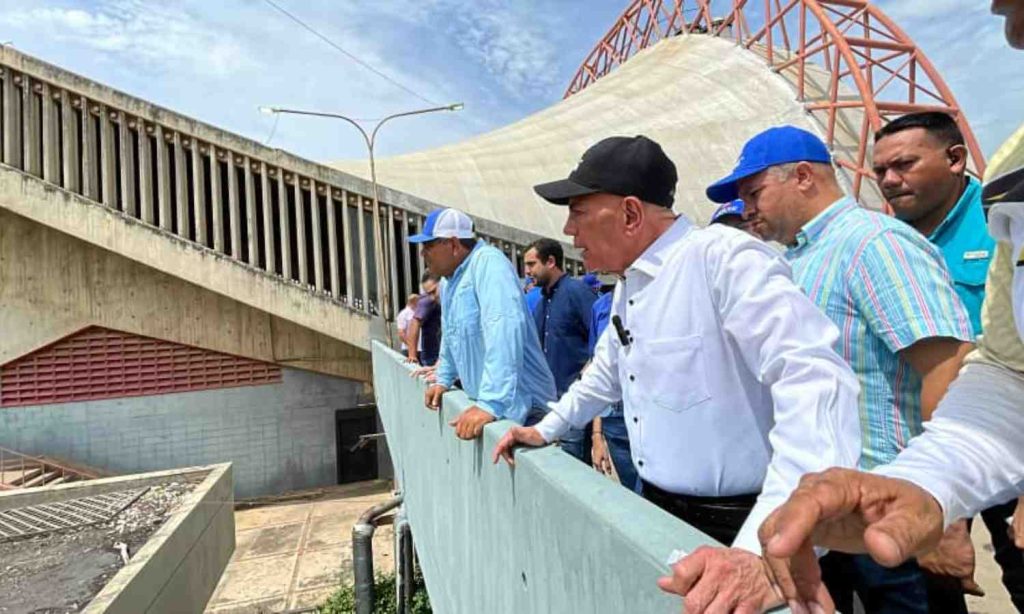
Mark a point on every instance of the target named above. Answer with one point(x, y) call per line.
point(957, 155)
point(804, 173)
point(633, 209)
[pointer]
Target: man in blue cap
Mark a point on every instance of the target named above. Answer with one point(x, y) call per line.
point(488, 341)
point(903, 328)
point(730, 214)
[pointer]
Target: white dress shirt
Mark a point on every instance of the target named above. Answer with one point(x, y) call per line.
point(719, 335)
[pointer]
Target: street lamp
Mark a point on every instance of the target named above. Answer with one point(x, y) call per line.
point(383, 256)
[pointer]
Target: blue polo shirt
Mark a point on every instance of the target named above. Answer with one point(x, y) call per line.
point(967, 249)
point(563, 324)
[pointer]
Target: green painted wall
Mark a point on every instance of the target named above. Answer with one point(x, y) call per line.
point(550, 535)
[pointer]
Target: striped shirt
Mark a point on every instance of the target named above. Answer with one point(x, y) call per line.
point(886, 287)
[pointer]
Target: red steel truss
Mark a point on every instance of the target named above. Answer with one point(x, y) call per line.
point(862, 50)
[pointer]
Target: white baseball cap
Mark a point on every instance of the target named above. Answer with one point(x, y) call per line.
point(445, 224)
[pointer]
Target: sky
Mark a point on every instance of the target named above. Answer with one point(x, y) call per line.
point(220, 60)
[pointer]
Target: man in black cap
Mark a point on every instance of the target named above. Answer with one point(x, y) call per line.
point(729, 401)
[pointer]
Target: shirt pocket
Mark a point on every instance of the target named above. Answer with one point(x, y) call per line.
point(675, 373)
point(971, 271)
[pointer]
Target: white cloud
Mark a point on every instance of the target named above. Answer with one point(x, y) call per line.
point(150, 35)
point(901, 10)
point(507, 39)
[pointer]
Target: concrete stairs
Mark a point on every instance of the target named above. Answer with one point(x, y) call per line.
point(23, 471)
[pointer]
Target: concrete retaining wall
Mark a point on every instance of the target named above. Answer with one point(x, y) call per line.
point(179, 567)
point(279, 437)
point(550, 535)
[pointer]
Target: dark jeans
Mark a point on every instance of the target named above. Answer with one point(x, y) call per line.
point(1009, 557)
point(615, 435)
point(577, 442)
point(899, 590)
point(717, 517)
point(945, 595)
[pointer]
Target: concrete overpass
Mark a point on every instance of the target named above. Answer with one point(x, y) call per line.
point(191, 296)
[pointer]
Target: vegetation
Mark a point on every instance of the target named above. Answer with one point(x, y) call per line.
point(343, 601)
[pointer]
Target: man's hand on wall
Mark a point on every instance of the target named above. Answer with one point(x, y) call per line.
point(470, 423)
point(432, 399)
point(715, 579)
point(523, 435)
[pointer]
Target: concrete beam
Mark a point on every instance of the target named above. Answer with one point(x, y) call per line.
point(40, 202)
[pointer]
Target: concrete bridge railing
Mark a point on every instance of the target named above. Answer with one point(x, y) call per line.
point(300, 222)
point(549, 535)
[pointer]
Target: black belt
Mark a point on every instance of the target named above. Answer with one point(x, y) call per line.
point(718, 517)
point(730, 501)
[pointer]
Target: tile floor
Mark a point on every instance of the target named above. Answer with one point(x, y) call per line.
point(293, 555)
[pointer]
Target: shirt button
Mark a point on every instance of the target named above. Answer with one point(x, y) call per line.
point(641, 463)
point(631, 302)
point(635, 420)
point(632, 377)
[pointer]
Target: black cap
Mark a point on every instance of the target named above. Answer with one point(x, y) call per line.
point(627, 166)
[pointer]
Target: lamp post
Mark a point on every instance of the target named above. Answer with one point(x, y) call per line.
point(383, 256)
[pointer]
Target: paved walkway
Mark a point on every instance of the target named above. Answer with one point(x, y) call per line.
point(293, 555)
point(987, 574)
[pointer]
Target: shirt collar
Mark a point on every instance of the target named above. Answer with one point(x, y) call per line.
point(971, 193)
point(813, 229)
point(459, 270)
point(549, 293)
point(653, 258)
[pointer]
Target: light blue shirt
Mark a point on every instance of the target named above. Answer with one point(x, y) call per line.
point(489, 340)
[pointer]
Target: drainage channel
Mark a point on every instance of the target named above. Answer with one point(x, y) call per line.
point(31, 520)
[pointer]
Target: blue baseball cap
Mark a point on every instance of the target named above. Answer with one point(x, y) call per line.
point(445, 224)
point(592, 280)
point(734, 207)
point(774, 146)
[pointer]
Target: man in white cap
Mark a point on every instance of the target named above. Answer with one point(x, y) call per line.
point(488, 339)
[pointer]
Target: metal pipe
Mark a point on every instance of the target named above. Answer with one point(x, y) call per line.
point(405, 578)
point(362, 553)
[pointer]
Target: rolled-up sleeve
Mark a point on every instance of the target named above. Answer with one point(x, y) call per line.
point(504, 326)
point(784, 339)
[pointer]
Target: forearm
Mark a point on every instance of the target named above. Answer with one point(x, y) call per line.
point(413, 339)
point(969, 456)
point(938, 362)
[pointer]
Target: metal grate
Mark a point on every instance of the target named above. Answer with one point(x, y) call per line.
point(32, 520)
point(98, 363)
